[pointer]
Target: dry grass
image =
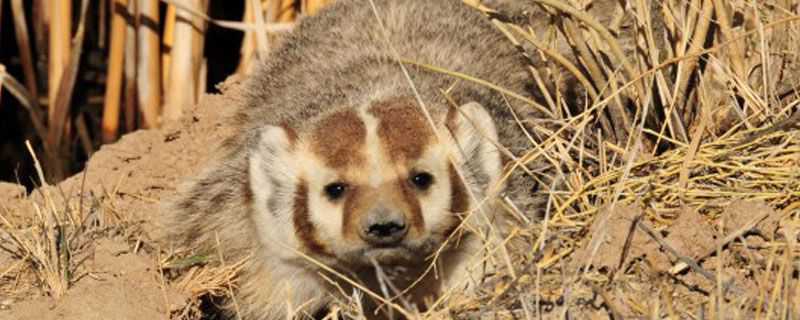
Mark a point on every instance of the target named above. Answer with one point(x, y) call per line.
point(700, 115)
point(680, 125)
point(201, 283)
point(53, 234)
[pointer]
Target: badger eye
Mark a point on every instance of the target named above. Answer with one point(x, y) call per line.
point(422, 180)
point(335, 190)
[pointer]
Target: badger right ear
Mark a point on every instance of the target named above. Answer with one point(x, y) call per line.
point(270, 169)
point(475, 134)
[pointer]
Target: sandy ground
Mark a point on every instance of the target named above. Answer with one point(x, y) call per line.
point(128, 179)
point(123, 284)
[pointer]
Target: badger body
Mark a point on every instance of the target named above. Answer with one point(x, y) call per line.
point(350, 157)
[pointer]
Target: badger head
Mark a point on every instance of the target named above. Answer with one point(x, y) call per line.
point(376, 183)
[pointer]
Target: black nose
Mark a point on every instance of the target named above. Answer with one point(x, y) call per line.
point(380, 228)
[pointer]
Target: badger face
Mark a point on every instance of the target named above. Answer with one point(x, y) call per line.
point(372, 184)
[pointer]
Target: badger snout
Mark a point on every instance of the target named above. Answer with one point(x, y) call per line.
point(383, 226)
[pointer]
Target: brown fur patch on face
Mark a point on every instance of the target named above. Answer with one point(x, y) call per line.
point(290, 133)
point(459, 199)
point(339, 138)
point(413, 209)
point(401, 128)
point(355, 206)
point(303, 227)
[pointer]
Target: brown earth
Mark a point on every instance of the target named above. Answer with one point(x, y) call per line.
point(121, 283)
point(125, 181)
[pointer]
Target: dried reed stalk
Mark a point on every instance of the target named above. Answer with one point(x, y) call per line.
point(58, 58)
point(198, 47)
point(261, 38)
point(116, 53)
point(182, 75)
point(281, 11)
point(129, 72)
point(149, 63)
point(311, 7)
point(247, 51)
point(202, 79)
point(60, 124)
point(40, 21)
point(24, 45)
point(166, 55)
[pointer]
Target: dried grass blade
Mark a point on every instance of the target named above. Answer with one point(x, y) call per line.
point(559, 59)
point(481, 82)
point(604, 34)
point(687, 68)
point(620, 118)
point(736, 50)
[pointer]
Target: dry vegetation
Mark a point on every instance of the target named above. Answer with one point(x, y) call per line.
point(676, 188)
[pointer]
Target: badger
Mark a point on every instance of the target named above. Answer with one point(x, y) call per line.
point(369, 154)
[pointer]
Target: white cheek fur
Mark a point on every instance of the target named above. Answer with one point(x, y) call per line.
point(325, 215)
point(435, 204)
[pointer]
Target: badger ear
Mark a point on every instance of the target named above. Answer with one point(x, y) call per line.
point(270, 170)
point(475, 135)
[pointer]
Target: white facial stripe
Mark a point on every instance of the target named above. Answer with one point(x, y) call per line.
point(378, 170)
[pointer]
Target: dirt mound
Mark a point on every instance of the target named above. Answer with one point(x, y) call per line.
point(120, 190)
point(122, 283)
point(145, 167)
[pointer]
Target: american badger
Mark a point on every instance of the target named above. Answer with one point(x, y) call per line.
point(353, 161)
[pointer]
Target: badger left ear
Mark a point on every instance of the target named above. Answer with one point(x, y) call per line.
point(270, 172)
point(475, 134)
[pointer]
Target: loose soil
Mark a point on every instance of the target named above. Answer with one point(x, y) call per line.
point(128, 179)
